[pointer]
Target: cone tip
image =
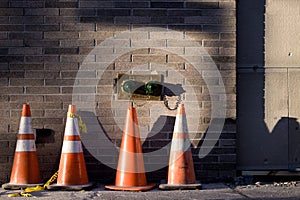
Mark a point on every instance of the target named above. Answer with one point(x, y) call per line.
point(131, 112)
point(26, 110)
point(131, 106)
point(72, 109)
point(181, 109)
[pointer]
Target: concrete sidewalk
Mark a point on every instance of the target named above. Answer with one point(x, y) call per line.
point(209, 191)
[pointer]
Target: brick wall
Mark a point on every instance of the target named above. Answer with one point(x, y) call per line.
point(46, 45)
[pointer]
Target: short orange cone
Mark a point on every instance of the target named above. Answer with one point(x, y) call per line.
point(130, 174)
point(25, 170)
point(72, 174)
point(181, 174)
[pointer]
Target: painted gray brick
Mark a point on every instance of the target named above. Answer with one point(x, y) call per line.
point(43, 27)
point(113, 12)
point(170, 4)
point(41, 11)
point(27, 4)
point(96, 4)
point(26, 20)
point(11, 11)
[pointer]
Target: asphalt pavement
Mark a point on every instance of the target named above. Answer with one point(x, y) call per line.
point(214, 191)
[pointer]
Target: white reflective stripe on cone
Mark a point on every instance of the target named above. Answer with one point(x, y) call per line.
point(25, 125)
point(25, 145)
point(72, 127)
point(179, 126)
point(179, 144)
point(72, 147)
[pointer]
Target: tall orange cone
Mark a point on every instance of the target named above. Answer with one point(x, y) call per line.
point(130, 174)
point(25, 170)
point(72, 174)
point(181, 174)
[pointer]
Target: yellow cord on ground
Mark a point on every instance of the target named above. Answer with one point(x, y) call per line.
point(25, 193)
point(15, 195)
point(34, 189)
point(21, 194)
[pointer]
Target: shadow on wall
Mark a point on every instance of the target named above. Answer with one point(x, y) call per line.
point(102, 153)
point(44, 136)
point(151, 146)
point(177, 15)
point(102, 162)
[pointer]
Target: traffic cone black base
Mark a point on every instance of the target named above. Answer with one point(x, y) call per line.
point(132, 189)
point(70, 187)
point(11, 186)
point(195, 186)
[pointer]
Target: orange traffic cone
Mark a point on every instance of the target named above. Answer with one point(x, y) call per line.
point(72, 174)
point(181, 174)
point(130, 174)
point(25, 171)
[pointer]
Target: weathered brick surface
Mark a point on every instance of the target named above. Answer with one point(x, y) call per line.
point(41, 11)
point(44, 43)
point(27, 4)
point(26, 19)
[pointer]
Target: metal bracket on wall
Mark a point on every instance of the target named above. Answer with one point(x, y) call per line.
point(139, 87)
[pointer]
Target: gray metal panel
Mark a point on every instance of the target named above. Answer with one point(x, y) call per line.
point(282, 33)
point(258, 148)
point(250, 33)
point(294, 113)
point(294, 144)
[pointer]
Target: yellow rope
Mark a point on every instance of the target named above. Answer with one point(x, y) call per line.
point(81, 125)
point(51, 180)
point(25, 193)
point(21, 194)
point(34, 189)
